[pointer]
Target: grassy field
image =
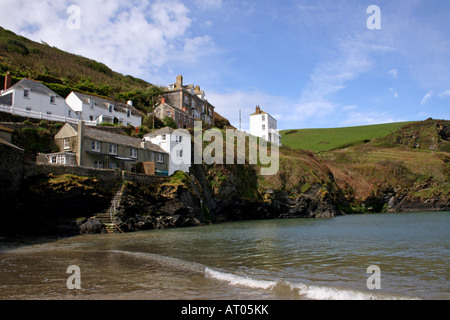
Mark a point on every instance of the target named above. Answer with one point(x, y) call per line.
point(327, 139)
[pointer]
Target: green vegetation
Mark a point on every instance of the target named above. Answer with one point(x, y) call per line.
point(63, 72)
point(328, 139)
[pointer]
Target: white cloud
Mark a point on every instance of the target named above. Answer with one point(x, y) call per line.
point(367, 118)
point(136, 38)
point(209, 4)
point(444, 94)
point(348, 108)
point(426, 98)
point(394, 92)
point(229, 103)
point(393, 73)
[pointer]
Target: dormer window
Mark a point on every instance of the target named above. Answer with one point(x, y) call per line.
point(110, 107)
point(128, 113)
point(26, 93)
point(171, 86)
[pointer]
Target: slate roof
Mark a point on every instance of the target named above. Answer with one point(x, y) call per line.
point(104, 103)
point(165, 130)
point(105, 136)
point(34, 86)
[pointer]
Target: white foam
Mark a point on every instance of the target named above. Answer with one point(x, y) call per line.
point(239, 280)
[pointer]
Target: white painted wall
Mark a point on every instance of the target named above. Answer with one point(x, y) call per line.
point(88, 114)
point(39, 103)
point(179, 151)
point(265, 126)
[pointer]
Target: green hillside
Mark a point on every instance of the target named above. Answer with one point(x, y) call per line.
point(64, 72)
point(328, 139)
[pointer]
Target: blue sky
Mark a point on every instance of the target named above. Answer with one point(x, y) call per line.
point(311, 64)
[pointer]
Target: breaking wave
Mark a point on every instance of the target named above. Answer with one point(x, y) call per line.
point(294, 289)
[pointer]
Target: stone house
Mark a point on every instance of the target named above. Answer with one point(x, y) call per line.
point(191, 100)
point(92, 147)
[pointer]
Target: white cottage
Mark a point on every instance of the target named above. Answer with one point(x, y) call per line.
point(93, 108)
point(32, 99)
point(263, 125)
point(175, 142)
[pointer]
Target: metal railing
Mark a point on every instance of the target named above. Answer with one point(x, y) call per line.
point(42, 116)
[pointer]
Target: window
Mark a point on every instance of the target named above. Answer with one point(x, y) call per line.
point(128, 113)
point(264, 127)
point(110, 108)
point(112, 165)
point(49, 113)
point(91, 118)
point(98, 164)
point(52, 99)
point(69, 113)
point(169, 114)
point(28, 109)
point(263, 118)
point(26, 93)
point(91, 104)
point(66, 144)
point(112, 148)
point(163, 137)
point(160, 157)
point(133, 153)
point(96, 146)
point(53, 160)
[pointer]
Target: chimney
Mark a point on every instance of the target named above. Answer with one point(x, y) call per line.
point(7, 81)
point(81, 131)
point(130, 103)
point(180, 80)
point(163, 100)
point(258, 110)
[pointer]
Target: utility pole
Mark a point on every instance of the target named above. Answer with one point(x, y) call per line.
point(240, 120)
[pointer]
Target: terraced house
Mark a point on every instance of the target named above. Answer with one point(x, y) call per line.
point(91, 147)
point(185, 104)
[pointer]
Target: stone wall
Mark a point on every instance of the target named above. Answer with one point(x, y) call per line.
point(11, 172)
point(105, 175)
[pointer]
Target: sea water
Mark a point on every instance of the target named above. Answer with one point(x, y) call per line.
point(268, 259)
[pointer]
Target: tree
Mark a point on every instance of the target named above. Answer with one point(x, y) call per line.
point(169, 122)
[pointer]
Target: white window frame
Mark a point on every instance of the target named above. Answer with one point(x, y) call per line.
point(66, 143)
point(133, 153)
point(53, 99)
point(160, 158)
point(26, 93)
point(112, 148)
point(96, 146)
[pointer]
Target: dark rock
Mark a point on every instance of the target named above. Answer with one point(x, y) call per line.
point(92, 226)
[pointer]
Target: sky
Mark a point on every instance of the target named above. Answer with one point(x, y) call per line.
point(308, 63)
